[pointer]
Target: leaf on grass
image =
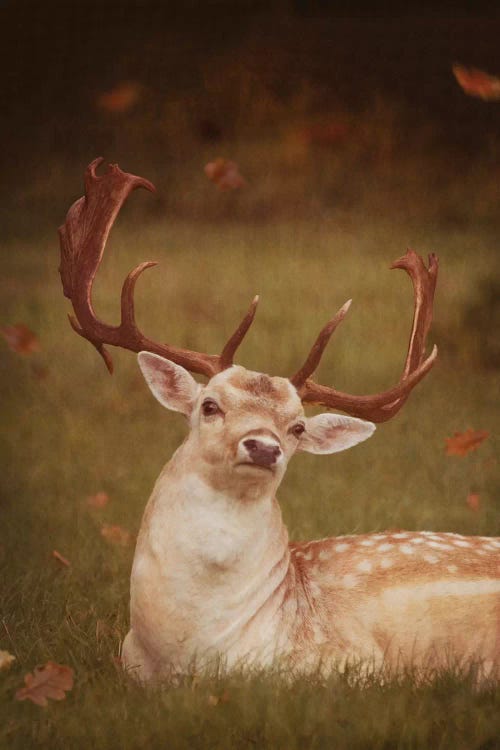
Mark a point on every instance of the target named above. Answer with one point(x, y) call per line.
point(116, 534)
point(224, 174)
point(473, 501)
point(20, 339)
point(99, 500)
point(6, 659)
point(477, 83)
point(57, 556)
point(50, 681)
point(215, 700)
point(464, 442)
point(121, 98)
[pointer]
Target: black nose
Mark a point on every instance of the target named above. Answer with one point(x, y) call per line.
point(262, 454)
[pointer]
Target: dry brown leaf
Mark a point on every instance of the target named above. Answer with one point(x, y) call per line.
point(121, 98)
point(50, 681)
point(63, 560)
point(20, 339)
point(6, 659)
point(473, 501)
point(477, 83)
point(225, 174)
point(464, 442)
point(99, 500)
point(214, 700)
point(116, 534)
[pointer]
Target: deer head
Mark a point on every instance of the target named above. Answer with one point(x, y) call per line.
point(244, 425)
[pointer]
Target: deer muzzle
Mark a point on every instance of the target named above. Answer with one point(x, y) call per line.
point(260, 451)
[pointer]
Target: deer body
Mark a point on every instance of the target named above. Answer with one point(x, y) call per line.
point(214, 574)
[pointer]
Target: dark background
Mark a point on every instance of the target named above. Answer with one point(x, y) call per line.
point(57, 58)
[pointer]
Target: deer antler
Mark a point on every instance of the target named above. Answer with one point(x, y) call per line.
point(381, 406)
point(83, 238)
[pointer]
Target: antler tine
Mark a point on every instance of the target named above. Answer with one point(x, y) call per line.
point(319, 346)
point(382, 406)
point(83, 238)
point(226, 358)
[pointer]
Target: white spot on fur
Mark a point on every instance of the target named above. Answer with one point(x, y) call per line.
point(384, 547)
point(417, 540)
point(386, 562)
point(308, 556)
point(489, 547)
point(341, 547)
point(461, 543)
point(401, 535)
point(406, 549)
point(324, 554)
point(367, 542)
point(431, 559)
point(480, 552)
point(439, 545)
point(495, 542)
point(452, 568)
point(364, 566)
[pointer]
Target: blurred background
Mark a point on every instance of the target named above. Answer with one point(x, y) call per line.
point(298, 147)
point(327, 107)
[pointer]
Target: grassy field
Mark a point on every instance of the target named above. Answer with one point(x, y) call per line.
point(70, 431)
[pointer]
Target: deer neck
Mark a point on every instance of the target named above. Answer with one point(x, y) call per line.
point(206, 562)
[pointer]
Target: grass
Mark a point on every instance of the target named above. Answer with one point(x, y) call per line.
point(70, 430)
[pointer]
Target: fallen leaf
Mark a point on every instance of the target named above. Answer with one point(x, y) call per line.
point(99, 500)
point(225, 174)
point(214, 700)
point(20, 339)
point(6, 659)
point(121, 98)
point(50, 681)
point(477, 83)
point(473, 501)
point(116, 534)
point(464, 442)
point(57, 556)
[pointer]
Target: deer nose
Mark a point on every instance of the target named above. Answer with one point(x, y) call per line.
point(262, 453)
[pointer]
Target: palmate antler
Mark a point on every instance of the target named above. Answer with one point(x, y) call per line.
point(83, 237)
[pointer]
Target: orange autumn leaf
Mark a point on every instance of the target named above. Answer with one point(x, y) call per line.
point(6, 659)
point(50, 681)
point(121, 98)
point(215, 700)
point(116, 534)
point(477, 83)
point(224, 174)
point(57, 556)
point(99, 500)
point(464, 442)
point(473, 501)
point(20, 339)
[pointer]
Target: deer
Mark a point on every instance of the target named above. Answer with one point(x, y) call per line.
point(214, 575)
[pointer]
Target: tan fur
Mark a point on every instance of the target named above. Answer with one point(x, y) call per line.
point(215, 576)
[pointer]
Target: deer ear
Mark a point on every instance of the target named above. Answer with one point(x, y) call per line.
point(331, 433)
point(171, 384)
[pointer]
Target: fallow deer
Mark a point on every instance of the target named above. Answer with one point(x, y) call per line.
point(214, 574)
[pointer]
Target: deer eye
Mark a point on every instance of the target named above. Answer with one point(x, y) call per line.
point(209, 407)
point(297, 430)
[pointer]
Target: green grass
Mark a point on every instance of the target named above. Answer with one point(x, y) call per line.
point(77, 431)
